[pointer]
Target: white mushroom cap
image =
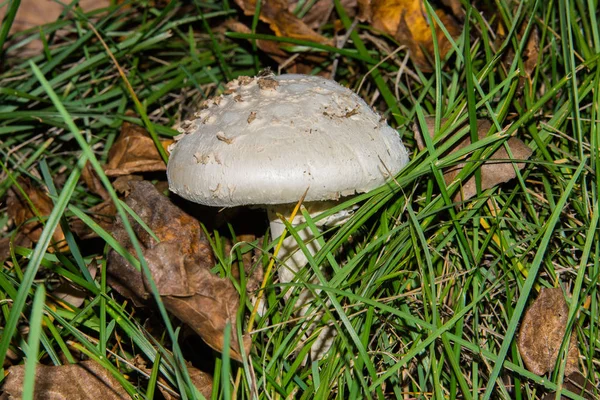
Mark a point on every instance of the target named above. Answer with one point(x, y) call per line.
point(268, 139)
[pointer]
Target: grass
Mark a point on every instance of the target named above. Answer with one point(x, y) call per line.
point(426, 295)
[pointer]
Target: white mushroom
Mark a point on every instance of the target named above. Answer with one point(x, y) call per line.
point(290, 134)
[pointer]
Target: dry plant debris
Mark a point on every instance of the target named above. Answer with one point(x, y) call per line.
point(25, 208)
point(542, 332)
point(200, 379)
point(529, 56)
point(134, 152)
point(34, 13)
point(492, 172)
point(72, 294)
point(407, 22)
point(86, 380)
point(282, 22)
point(180, 266)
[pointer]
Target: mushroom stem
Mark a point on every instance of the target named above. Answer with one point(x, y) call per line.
point(293, 260)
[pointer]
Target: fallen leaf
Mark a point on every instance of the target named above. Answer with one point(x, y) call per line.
point(542, 332)
point(254, 273)
point(407, 22)
point(86, 380)
point(529, 56)
point(25, 212)
point(72, 294)
point(19, 240)
point(200, 379)
point(33, 13)
point(302, 63)
point(576, 383)
point(134, 152)
point(180, 266)
point(91, 180)
point(103, 214)
point(320, 11)
point(282, 22)
point(492, 172)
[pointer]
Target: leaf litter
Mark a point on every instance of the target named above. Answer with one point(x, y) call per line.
point(541, 334)
point(495, 170)
point(180, 266)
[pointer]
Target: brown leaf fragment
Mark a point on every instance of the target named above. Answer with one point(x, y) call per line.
point(74, 294)
point(91, 180)
point(320, 12)
point(32, 13)
point(531, 52)
point(103, 214)
point(281, 21)
point(252, 116)
point(300, 64)
point(20, 210)
point(576, 383)
point(542, 332)
point(407, 21)
point(492, 172)
point(529, 56)
point(252, 270)
point(180, 266)
point(134, 152)
point(87, 380)
point(200, 379)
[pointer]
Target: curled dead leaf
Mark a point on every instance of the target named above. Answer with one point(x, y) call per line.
point(407, 21)
point(494, 171)
point(542, 331)
point(87, 380)
point(180, 266)
point(134, 152)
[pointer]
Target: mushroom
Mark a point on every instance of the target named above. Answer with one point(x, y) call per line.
point(269, 140)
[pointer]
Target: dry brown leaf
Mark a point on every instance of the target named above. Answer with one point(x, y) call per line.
point(19, 240)
point(40, 12)
point(87, 380)
point(71, 293)
point(320, 12)
point(134, 152)
point(408, 22)
point(180, 266)
point(576, 383)
point(20, 210)
point(200, 379)
point(103, 214)
point(492, 172)
point(302, 64)
point(91, 180)
point(254, 273)
point(542, 332)
point(282, 22)
point(529, 57)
